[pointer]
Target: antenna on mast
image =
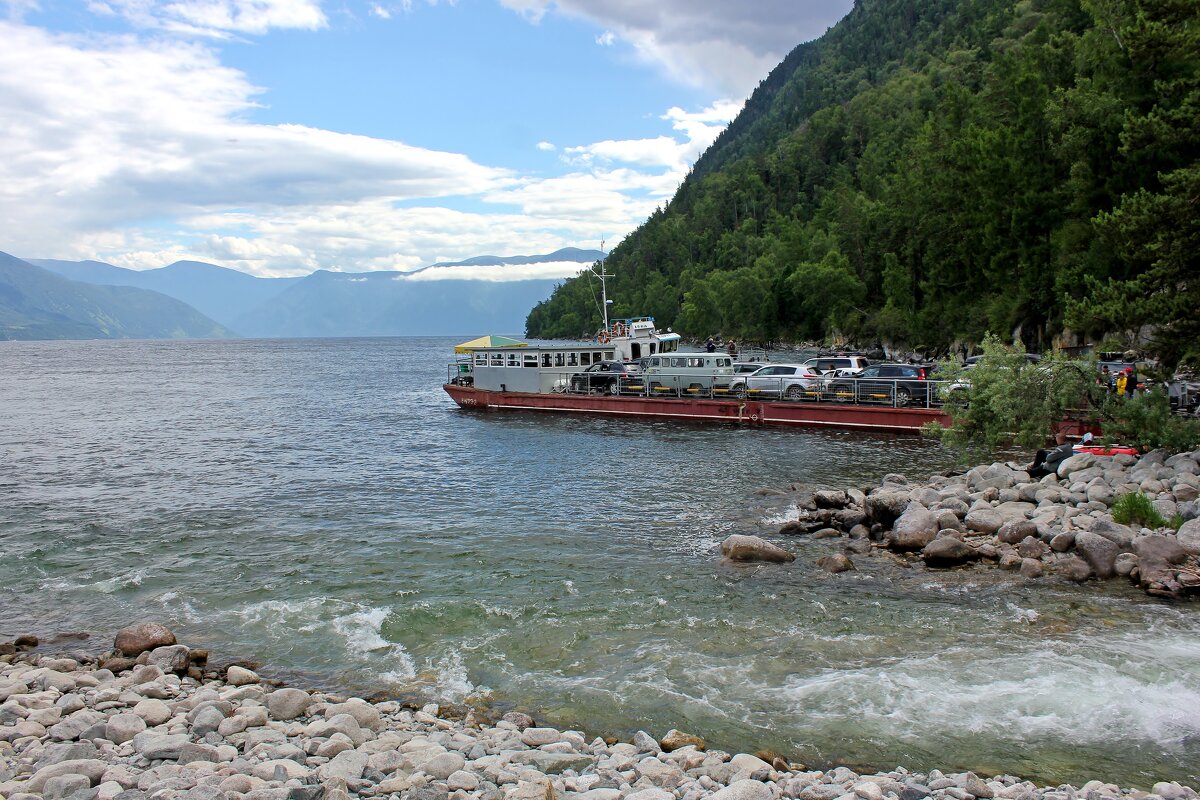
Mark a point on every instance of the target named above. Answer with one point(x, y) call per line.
point(603, 276)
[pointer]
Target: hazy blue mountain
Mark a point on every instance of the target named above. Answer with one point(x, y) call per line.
point(389, 304)
point(219, 292)
point(342, 304)
point(37, 304)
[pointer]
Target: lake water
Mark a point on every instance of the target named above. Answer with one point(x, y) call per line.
point(323, 507)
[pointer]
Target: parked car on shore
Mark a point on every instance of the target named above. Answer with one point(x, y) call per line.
point(894, 384)
point(791, 381)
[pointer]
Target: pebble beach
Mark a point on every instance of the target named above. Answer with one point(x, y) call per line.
point(151, 720)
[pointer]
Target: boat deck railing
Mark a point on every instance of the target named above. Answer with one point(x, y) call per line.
point(893, 392)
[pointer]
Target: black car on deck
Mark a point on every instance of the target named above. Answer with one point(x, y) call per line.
point(605, 377)
point(893, 384)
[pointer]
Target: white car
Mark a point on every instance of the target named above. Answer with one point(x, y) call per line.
point(792, 381)
point(837, 365)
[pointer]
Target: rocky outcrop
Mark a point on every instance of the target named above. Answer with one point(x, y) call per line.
point(1058, 526)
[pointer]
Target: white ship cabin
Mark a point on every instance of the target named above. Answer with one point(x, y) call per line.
point(637, 337)
point(541, 370)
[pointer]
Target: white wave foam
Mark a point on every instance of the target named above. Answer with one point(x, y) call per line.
point(782, 516)
point(363, 631)
point(1062, 693)
point(1026, 615)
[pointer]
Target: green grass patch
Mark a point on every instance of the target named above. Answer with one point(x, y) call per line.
point(1136, 508)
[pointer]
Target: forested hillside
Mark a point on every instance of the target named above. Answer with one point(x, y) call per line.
point(930, 171)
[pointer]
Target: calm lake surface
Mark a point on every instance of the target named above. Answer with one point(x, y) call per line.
point(323, 507)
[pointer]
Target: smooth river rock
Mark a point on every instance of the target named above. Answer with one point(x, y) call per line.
point(739, 547)
point(137, 639)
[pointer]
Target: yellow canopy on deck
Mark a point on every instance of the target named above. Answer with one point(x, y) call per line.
point(488, 341)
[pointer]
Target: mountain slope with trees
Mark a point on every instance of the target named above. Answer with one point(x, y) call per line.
point(930, 171)
point(37, 304)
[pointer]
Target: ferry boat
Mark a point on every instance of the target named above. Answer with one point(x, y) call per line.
point(667, 383)
point(632, 369)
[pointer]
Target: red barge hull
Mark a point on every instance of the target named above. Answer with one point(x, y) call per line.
point(744, 412)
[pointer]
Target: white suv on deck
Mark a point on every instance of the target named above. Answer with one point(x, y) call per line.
point(840, 366)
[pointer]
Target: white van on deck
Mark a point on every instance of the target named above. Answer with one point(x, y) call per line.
point(683, 372)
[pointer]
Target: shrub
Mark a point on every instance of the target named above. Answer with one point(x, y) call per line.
point(1145, 421)
point(1135, 508)
point(1004, 399)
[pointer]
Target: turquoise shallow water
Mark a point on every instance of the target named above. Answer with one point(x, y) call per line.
point(323, 507)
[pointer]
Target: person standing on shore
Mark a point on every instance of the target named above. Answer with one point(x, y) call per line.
point(1131, 382)
point(731, 348)
point(710, 346)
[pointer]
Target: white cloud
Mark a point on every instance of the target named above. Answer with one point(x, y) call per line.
point(606, 39)
point(712, 43)
point(380, 11)
point(137, 151)
point(499, 273)
point(219, 18)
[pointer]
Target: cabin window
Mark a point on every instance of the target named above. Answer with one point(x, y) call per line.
point(545, 359)
point(572, 359)
point(481, 359)
point(652, 348)
point(514, 360)
point(599, 357)
point(679, 362)
point(635, 350)
point(585, 359)
point(695, 362)
point(726, 362)
point(654, 362)
point(530, 360)
point(560, 360)
point(497, 359)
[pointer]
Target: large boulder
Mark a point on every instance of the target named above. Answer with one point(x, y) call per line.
point(287, 704)
point(1075, 463)
point(676, 739)
point(984, 520)
point(993, 476)
point(838, 562)
point(753, 548)
point(948, 552)
point(141, 637)
point(830, 498)
point(171, 659)
point(885, 506)
point(1015, 510)
point(1189, 537)
point(1120, 535)
point(1075, 569)
point(914, 529)
point(1099, 553)
point(1012, 531)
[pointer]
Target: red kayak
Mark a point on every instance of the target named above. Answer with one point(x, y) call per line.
point(1100, 450)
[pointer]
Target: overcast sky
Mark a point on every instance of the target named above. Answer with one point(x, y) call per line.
point(283, 136)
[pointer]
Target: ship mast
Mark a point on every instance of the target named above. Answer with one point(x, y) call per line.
point(603, 275)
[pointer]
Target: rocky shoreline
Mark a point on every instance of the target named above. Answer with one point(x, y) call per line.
point(151, 720)
point(997, 515)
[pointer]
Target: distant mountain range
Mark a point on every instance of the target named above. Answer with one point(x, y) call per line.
point(37, 304)
point(221, 301)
